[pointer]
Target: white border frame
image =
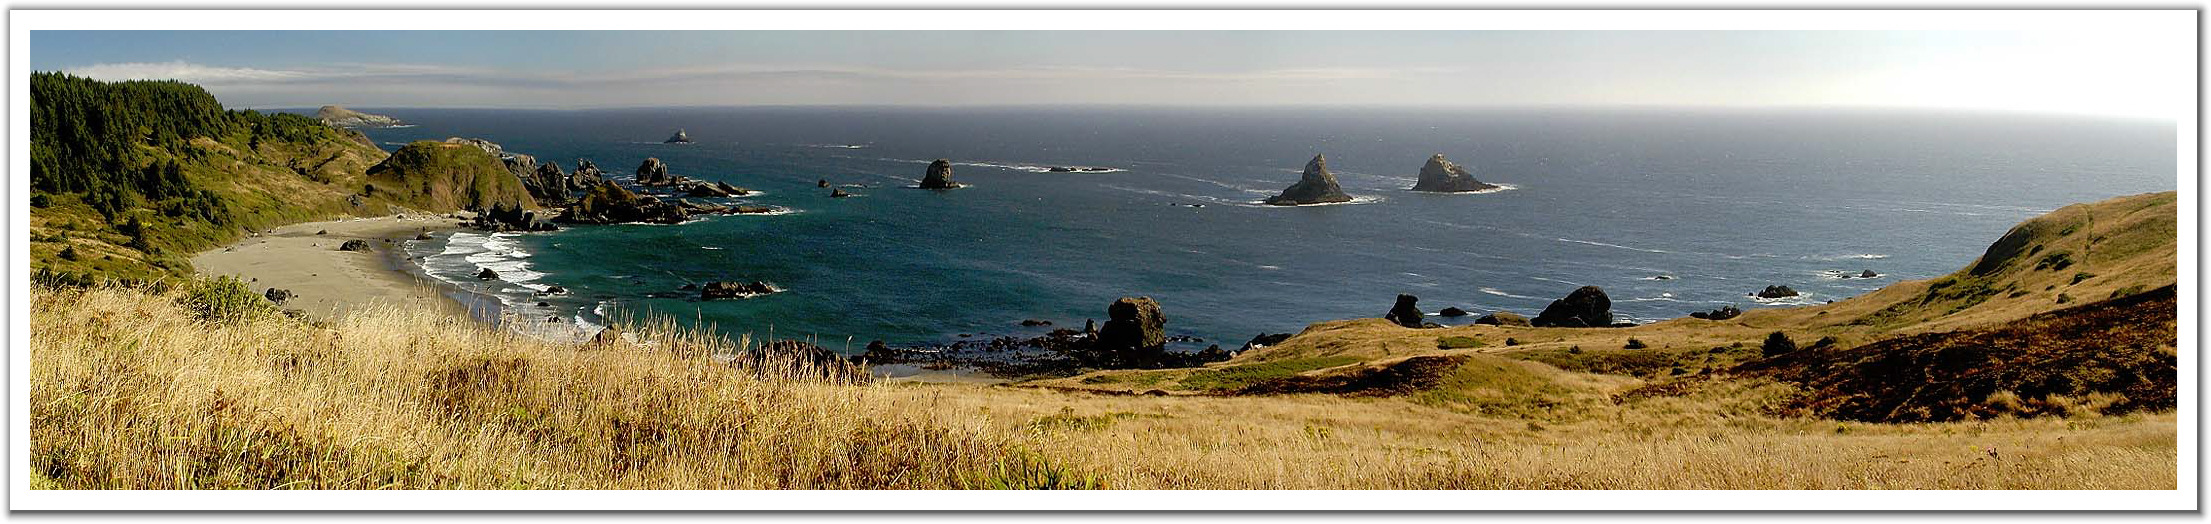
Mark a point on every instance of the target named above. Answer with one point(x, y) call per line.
point(2177, 22)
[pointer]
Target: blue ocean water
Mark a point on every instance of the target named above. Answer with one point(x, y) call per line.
point(1725, 202)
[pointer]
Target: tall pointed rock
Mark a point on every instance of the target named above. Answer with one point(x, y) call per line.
point(1318, 186)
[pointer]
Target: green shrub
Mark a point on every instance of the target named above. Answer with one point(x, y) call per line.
point(1635, 344)
point(1778, 344)
point(224, 299)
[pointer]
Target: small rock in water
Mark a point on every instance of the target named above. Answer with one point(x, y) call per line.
point(1035, 322)
point(1775, 291)
point(487, 274)
point(1869, 274)
point(1452, 312)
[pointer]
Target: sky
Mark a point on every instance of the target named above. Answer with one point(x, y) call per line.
point(2116, 74)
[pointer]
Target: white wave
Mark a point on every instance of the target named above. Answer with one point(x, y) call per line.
point(1499, 189)
point(1275, 268)
point(1595, 243)
point(1495, 291)
point(1802, 299)
point(1187, 196)
point(835, 146)
point(1036, 168)
point(1363, 199)
point(1223, 185)
point(1661, 277)
point(710, 248)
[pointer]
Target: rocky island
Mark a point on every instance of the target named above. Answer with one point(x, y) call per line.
point(1442, 176)
point(939, 176)
point(336, 116)
point(1318, 186)
point(678, 138)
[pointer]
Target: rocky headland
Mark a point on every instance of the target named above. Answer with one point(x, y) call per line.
point(336, 116)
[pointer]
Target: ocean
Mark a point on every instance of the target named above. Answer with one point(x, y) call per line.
point(1670, 211)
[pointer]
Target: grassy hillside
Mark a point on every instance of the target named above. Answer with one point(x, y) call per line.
point(130, 178)
point(198, 388)
point(443, 176)
point(130, 389)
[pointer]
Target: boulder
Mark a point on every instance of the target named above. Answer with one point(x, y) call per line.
point(278, 295)
point(1316, 186)
point(1405, 313)
point(1723, 313)
point(939, 176)
point(1503, 318)
point(354, 245)
point(487, 274)
point(704, 190)
point(1452, 312)
point(653, 173)
point(425, 235)
point(1585, 307)
point(821, 183)
point(838, 193)
point(720, 290)
point(1775, 292)
point(1135, 333)
point(1869, 274)
point(732, 190)
point(1441, 176)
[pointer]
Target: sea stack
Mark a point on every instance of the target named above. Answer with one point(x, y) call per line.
point(1442, 176)
point(1406, 312)
point(940, 176)
point(680, 138)
point(1318, 186)
point(652, 173)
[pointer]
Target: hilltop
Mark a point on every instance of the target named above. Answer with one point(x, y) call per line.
point(336, 116)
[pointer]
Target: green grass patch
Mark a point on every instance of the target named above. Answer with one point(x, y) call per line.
point(1458, 343)
point(1237, 377)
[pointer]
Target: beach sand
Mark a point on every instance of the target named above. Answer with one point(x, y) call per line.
point(327, 282)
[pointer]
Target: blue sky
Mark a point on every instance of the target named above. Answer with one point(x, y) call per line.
point(2059, 72)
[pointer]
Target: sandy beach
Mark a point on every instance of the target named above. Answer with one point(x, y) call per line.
point(327, 282)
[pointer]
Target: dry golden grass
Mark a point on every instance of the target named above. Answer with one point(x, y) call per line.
point(1703, 440)
point(131, 390)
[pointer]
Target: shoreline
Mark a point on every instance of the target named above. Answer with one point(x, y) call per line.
point(327, 282)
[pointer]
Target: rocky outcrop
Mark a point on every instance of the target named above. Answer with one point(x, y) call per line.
point(1775, 292)
point(502, 217)
point(278, 295)
point(653, 172)
point(609, 203)
point(1723, 313)
point(939, 176)
point(1585, 307)
point(679, 138)
point(838, 193)
point(1503, 318)
point(1266, 339)
point(1134, 335)
point(336, 116)
point(1452, 312)
point(487, 274)
point(354, 245)
point(1317, 186)
point(1405, 313)
point(721, 290)
point(1442, 176)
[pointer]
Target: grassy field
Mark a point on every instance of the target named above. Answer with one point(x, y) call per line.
point(143, 391)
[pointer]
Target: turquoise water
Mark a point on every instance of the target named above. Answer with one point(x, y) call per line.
point(1726, 202)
